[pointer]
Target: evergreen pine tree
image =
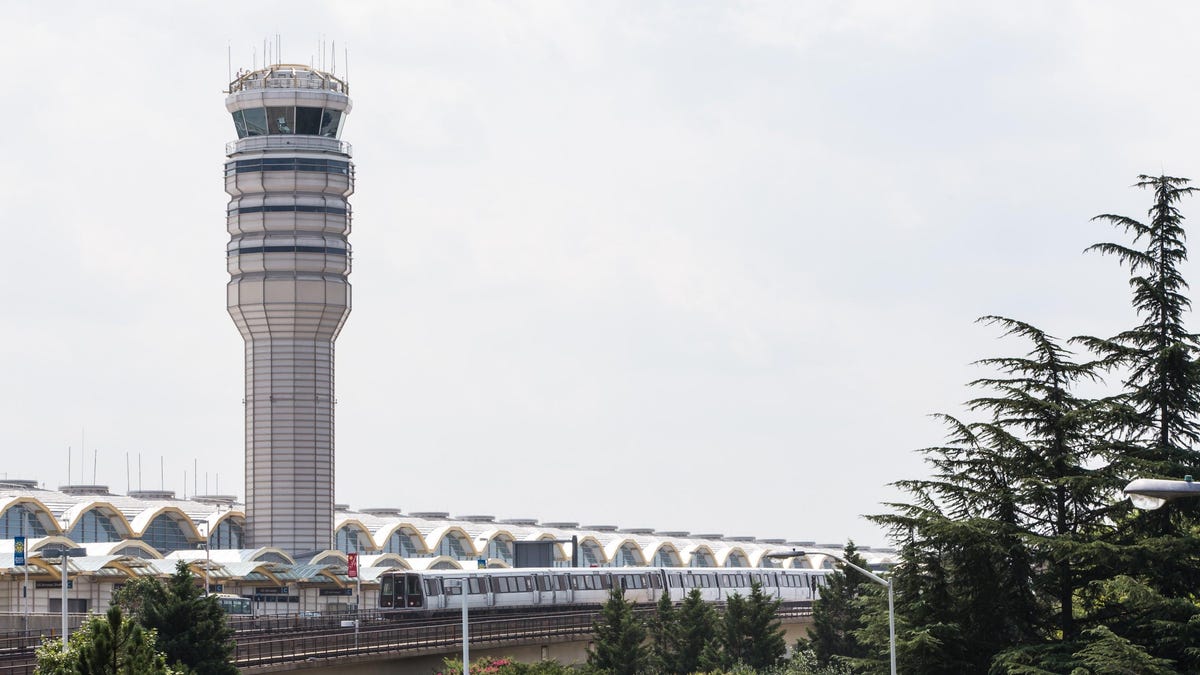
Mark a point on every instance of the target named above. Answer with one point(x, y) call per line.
point(764, 631)
point(1015, 520)
point(192, 628)
point(835, 619)
point(699, 647)
point(108, 645)
point(664, 637)
point(619, 646)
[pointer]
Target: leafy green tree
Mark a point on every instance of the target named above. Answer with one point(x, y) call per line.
point(619, 645)
point(835, 619)
point(108, 645)
point(192, 628)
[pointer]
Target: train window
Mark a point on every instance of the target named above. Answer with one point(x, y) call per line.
point(499, 585)
point(709, 580)
point(577, 582)
point(726, 580)
point(605, 581)
point(743, 580)
point(561, 582)
point(543, 583)
point(475, 586)
point(385, 585)
point(655, 581)
point(431, 587)
point(674, 580)
point(453, 590)
point(526, 583)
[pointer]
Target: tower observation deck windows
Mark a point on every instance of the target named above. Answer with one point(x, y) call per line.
point(308, 121)
point(313, 164)
point(286, 120)
point(281, 120)
point(289, 208)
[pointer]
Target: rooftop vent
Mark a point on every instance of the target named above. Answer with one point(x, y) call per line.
point(708, 536)
point(742, 538)
point(673, 533)
point(152, 494)
point(601, 528)
point(19, 483)
point(431, 515)
point(563, 525)
point(220, 500)
point(773, 541)
point(528, 522)
point(637, 530)
point(383, 512)
point(83, 489)
point(478, 519)
point(341, 507)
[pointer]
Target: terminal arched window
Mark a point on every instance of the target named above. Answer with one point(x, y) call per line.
point(21, 520)
point(405, 542)
point(736, 559)
point(629, 556)
point(455, 545)
point(590, 554)
point(352, 539)
point(165, 535)
point(702, 558)
point(666, 556)
point(230, 534)
point(501, 546)
point(93, 527)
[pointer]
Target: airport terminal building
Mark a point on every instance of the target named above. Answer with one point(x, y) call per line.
point(149, 532)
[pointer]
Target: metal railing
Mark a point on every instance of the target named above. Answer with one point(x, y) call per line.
point(262, 641)
point(288, 142)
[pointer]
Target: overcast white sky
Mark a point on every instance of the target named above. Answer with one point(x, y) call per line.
point(700, 266)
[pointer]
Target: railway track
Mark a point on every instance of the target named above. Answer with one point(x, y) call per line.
point(297, 639)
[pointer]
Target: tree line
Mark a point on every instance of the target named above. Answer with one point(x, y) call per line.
point(1019, 553)
point(152, 628)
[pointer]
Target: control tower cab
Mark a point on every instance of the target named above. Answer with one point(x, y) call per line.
point(288, 176)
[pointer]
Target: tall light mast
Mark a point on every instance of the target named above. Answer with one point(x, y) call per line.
point(288, 176)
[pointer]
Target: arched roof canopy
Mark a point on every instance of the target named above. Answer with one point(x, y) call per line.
point(453, 542)
point(625, 553)
point(352, 534)
point(591, 552)
point(666, 555)
point(43, 517)
point(402, 538)
point(733, 556)
point(96, 520)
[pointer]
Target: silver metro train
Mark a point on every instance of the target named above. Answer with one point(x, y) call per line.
point(405, 591)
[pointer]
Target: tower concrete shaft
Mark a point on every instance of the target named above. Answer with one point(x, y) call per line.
point(288, 176)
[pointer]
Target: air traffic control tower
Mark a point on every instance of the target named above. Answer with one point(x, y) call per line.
point(288, 176)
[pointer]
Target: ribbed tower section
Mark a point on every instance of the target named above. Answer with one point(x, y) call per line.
point(288, 176)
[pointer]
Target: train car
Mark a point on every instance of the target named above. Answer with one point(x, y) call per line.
point(408, 592)
point(234, 605)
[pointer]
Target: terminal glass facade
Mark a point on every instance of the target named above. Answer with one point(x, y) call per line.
point(165, 534)
point(94, 527)
point(229, 534)
point(21, 520)
point(404, 542)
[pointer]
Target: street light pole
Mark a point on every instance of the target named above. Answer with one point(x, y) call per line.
point(466, 659)
point(873, 577)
